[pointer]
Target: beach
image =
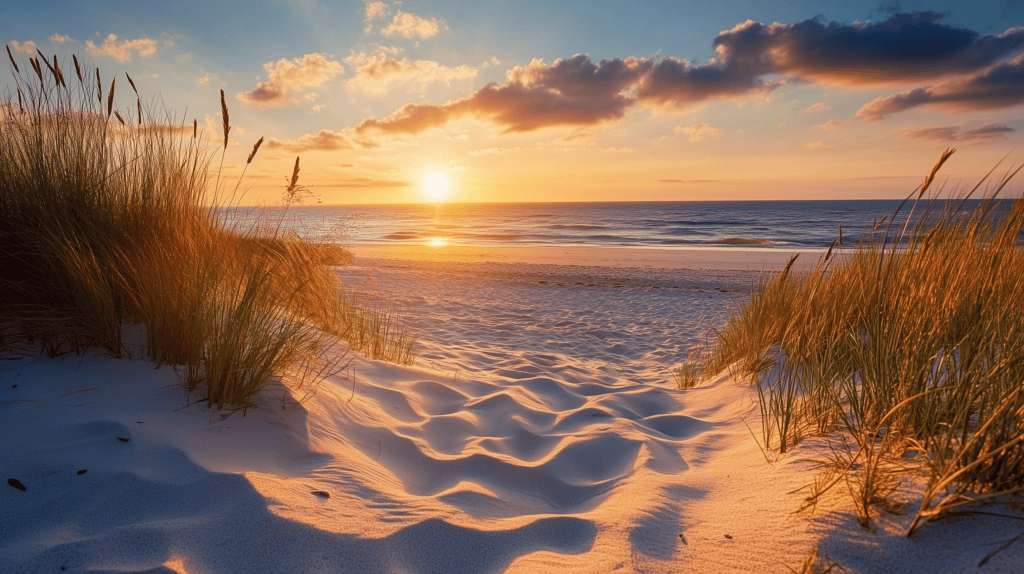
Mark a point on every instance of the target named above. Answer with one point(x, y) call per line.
point(539, 430)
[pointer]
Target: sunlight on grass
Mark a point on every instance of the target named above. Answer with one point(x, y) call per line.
point(912, 342)
point(105, 220)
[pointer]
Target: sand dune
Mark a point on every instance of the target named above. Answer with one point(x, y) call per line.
point(539, 431)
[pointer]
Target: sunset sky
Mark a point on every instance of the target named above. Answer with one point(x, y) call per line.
point(570, 100)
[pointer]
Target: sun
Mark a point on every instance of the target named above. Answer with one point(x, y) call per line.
point(436, 185)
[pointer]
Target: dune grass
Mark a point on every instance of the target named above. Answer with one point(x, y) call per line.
point(908, 347)
point(107, 219)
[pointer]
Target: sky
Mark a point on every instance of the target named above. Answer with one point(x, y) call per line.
point(532, 100)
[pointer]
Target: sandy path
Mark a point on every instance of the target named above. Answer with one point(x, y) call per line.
point(539, 431)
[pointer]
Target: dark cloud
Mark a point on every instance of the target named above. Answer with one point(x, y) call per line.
point(571, 92)
point(678, 83)
point(889, 6)
point(903, 47)
point(948, 134)
point(1000, 86)
point(578, 92)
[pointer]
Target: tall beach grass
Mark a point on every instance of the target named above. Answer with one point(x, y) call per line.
point(107, 219)
point(907, 349)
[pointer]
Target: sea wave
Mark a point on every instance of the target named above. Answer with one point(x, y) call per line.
point(748, 225)
point(745, 241)
point(577, 226)
point(725, 241)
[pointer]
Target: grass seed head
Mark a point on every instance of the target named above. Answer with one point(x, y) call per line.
point(931, 176)
point(294, 181)
point(38, 70)
point(11, 56)
point(110, 98)
point(57, 72)
point(254, 148)
point(224, 116)
point(47, 62)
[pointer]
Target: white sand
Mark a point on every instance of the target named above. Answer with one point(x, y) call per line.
point(539, 431)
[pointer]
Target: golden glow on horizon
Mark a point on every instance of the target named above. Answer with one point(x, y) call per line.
point(437, 186)
point(437, 242)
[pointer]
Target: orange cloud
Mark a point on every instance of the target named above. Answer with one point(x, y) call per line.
point(60, 39)
point(122, 51)
point(698, 132)
point(323, 140)
point(375, 72)
point(374, 10)
point(286, 77)
point(410, 26)
point(26, 47)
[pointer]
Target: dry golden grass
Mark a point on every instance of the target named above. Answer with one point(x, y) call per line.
point(912, 340)
point(107, 223)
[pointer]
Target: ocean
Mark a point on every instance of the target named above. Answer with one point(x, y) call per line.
point(663, 225)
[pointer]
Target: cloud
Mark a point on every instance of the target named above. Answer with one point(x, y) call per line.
point(816, 107)
point(831, 125)
point(26, 47)
point(572, 92)
point(889, 6)
point(984, 134)
point(375, 72)
point(1000, 86)
point(323, 140)
point(410, 26)
point(575, 136)
point(749, 59)
point(122, 51)
point(374, 10)
point(677, 83)
point(60, 39)
point(903, 47)
point(286, 77)
point(698, 132)
point(204, 79)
